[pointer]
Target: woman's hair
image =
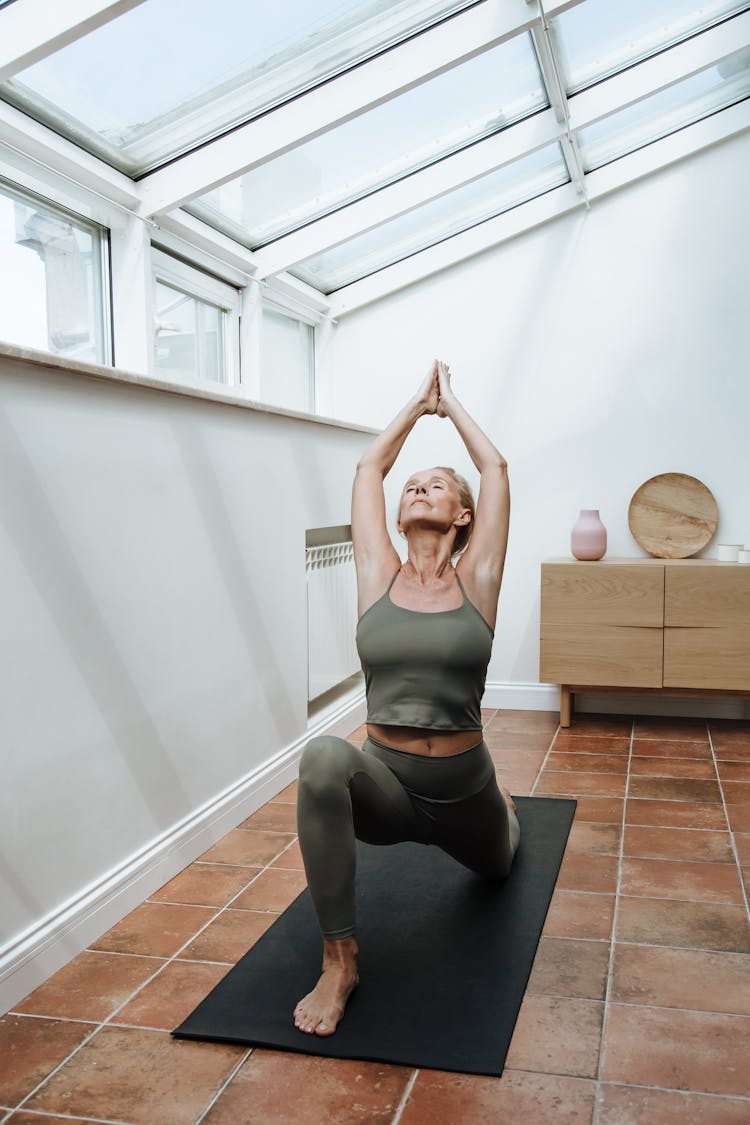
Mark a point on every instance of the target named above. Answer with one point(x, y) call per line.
point(466, 499)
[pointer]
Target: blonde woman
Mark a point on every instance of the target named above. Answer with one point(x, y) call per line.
point(424, 637)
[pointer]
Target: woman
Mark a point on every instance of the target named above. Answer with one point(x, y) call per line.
point(424, 637)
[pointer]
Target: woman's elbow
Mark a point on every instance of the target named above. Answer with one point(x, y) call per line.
point(498, 465)
point(369, 464)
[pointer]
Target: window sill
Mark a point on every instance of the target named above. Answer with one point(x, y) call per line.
point(226, 396)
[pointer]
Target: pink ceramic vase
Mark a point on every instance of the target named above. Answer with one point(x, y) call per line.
point(588, 539)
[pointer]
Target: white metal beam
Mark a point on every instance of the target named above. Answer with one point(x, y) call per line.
point(132, 295)
point(438, 49)
point(437, 179)
point(209, 244)
point(557, 94)
point(661, 154)
point(31, 31)
point(299, 294)
point(555, 7)
point(661, 71)
point(22, 134)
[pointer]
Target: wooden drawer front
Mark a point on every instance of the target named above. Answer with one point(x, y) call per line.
point(596, 594)
point(707, 595)
point(708, 658)
point(603, 655)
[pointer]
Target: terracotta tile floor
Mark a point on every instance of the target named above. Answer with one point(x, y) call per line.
point(637, 1010)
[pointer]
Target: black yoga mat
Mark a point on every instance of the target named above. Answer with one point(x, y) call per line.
point(444, 958)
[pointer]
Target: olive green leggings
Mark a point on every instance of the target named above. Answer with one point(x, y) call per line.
point(385, 796)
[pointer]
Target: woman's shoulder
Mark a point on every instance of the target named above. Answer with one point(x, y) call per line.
point(481, 587)
point(374, 581)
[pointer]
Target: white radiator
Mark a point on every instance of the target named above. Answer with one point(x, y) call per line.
point(331, 616)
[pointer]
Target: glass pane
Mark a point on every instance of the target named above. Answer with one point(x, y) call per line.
point(158, 80)
point(666, 112)
point(410, 131)
point(600, 37)
point(287, 362)
point(434, 221)
point(189, 336)
point(51, 285)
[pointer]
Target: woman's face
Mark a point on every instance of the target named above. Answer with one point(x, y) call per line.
point(430, 499)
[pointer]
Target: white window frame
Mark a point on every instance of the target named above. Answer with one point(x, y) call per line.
point(101, 235)
point(296, 311)
point(205, 287)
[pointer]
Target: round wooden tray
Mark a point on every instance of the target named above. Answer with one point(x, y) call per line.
point(672, 516)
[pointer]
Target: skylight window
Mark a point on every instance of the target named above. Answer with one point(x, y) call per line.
point(598, 38)
point(309, 144)
point(159, 80)
point(412, 130)
point(665, 112)
point(450, 214)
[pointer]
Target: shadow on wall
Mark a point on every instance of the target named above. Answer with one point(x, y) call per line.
point(51, 566)
point(539, 316)
point(240, 584)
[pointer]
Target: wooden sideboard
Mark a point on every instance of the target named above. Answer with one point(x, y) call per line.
point(666, 626)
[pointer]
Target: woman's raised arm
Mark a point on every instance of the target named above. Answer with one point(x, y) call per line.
point(375, 558)
point(481, 565)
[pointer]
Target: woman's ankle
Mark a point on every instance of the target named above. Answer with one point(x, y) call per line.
point(340, 951)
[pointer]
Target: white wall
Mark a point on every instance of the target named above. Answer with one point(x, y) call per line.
point(597, 351)
point(152, 552)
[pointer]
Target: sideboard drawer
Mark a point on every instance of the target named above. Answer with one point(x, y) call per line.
point(701, 595)
point(708, 657)
point(597, 594)
point(600, 655)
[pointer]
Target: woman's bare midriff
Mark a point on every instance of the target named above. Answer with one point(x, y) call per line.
point(431, 743)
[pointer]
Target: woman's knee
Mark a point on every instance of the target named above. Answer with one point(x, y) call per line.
point(504, 856)
point(325, 760)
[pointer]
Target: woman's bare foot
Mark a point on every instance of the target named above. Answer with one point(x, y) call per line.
point(319, 1012)
point(508, 799)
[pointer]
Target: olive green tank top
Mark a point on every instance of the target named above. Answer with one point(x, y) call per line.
point(424, 669)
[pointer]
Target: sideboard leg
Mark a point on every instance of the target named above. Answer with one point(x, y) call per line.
point(566, 705)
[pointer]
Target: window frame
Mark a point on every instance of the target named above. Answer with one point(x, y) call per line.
point(193, 282)
point(271, 302)
point(101, 256)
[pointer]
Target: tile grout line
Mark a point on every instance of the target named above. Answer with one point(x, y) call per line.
point(615, 912)
point(732, 841)
point(59, 1066)
point(541, 769)
point(44, 1114)
point(231, 1076)
point(404, 1098)
point(685, 1093)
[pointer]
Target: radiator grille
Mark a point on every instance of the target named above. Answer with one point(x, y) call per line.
point(331, 616)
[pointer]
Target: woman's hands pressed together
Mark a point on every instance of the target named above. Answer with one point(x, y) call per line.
point(428, 394)
point(435, 392)
point(445, 393)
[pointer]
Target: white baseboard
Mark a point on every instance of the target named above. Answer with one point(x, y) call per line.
point(38, 952)
point(522, 697)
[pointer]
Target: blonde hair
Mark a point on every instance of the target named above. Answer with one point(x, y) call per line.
point(466, 499)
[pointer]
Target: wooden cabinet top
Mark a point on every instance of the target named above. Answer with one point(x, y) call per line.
point(640, 561)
